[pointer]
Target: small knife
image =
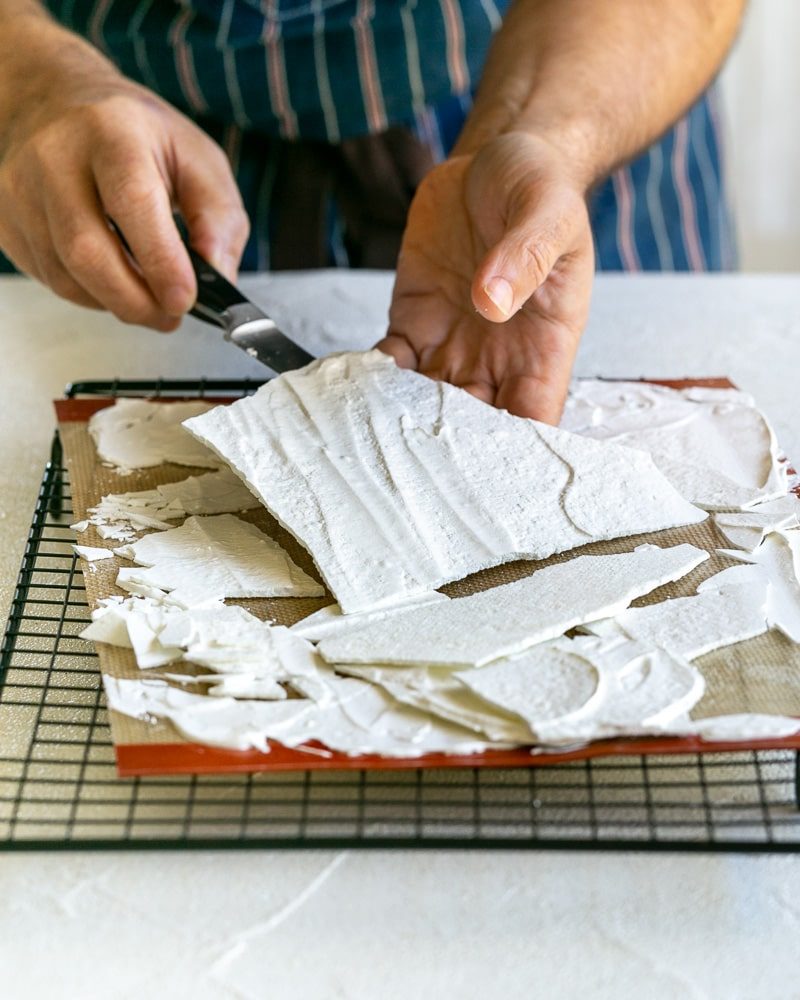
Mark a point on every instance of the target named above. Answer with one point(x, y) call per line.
point(245, 325)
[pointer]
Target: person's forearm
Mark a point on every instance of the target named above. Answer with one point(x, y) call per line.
point(18, 19)
point(37, 58)
point(13, 8)
point(599, 79)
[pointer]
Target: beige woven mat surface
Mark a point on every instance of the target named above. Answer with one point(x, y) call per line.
point(759, 675)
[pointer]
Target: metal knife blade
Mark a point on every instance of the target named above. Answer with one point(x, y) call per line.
point(244, 324)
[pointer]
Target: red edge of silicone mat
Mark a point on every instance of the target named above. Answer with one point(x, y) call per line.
point(78, 411)
point(140, 759)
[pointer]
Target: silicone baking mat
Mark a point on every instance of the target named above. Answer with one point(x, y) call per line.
point(59, 786)
point(761, 675)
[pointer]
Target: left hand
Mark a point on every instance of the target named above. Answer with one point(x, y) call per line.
point(495, 275)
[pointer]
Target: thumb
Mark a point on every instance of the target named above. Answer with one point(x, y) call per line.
point(211, 206)
point(521, 261)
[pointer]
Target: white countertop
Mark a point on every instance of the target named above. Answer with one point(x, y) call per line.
point(393, 924)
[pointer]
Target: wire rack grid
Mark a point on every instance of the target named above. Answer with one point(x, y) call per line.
point(59, 787)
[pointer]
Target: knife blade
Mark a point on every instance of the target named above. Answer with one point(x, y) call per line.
point(244, 324)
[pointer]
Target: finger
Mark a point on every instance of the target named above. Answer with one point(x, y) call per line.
point(211, 205)
point(134, 194)
point(53, 274)
point(425, 316)
point(535, 397)
point(28, 245)
point(481, 390)
point(17, 248)
point(44, 264)
point(93, 256)
point(522, 260)
point(418, 325)
point(398, 346)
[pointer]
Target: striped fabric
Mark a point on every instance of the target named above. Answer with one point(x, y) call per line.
point(257, 74)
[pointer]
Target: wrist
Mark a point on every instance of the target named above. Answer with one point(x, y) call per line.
point(534, 152)
point(582, 146)
point(12, 10)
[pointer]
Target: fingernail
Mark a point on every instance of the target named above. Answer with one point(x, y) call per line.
point(177, 300)
point(501, 293)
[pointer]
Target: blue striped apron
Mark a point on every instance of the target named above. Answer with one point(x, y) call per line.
point(256, 74)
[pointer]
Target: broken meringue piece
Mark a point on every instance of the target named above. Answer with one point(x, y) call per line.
point(470, 631)
point(211, 558)
point(576, 690)
point(330, 621)
point(549, 681)
point(243, 686)
point(91, 553)
point(122, 515)
point(134, 623)
point(360, 719)
point(776, 565)
point(438, 691)
point(693, 626)
point(744, 726)
point(108, 624)
point(139, 433)
point(220, 492)
point(748, 529)
point(224, 722)
point(715, 447)
point(246, 656)
point(397, 484)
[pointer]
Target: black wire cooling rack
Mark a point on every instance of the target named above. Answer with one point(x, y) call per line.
point(59, 787)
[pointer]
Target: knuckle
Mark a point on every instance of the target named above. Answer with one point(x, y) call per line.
point(213, 155)
point(113, 115)
point(160, 265)
point(46, 148)
point(53, 275)
point(131, 193)
point(83, 252)
point(538, 259)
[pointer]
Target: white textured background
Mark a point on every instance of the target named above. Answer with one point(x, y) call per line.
point(761, 93)
point(393, 925)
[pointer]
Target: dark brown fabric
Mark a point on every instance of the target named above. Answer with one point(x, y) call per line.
point(301, 196)
point(370, 180)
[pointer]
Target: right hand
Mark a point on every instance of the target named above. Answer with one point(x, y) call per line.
point(511, 216)
point(82, 144)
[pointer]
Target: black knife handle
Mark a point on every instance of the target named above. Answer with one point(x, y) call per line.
point(215, 293)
